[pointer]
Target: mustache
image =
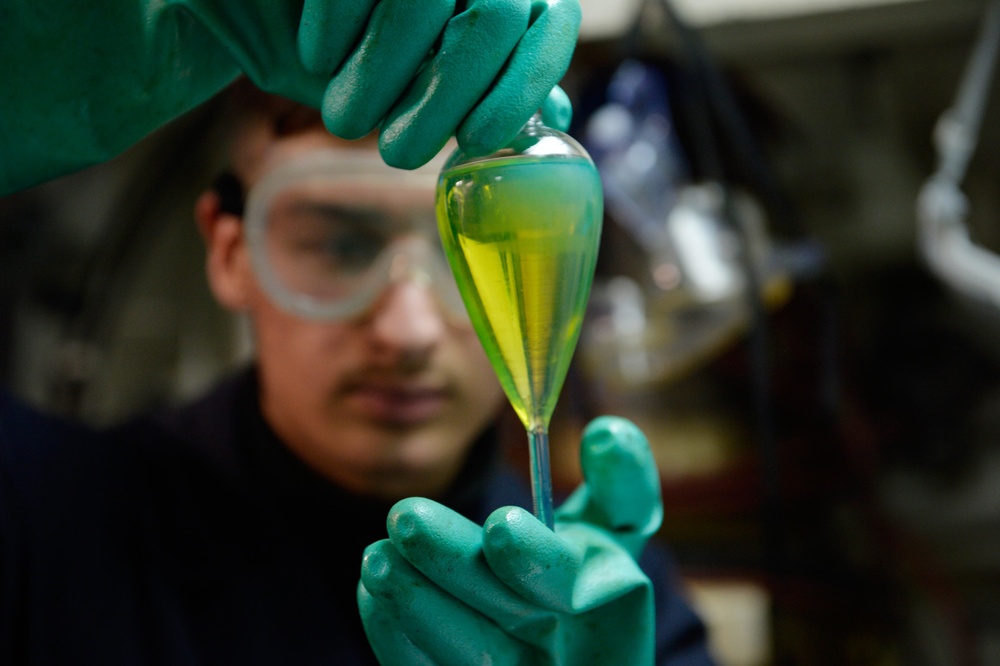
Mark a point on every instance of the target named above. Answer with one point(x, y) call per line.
point(397, 377)
point(400, 362)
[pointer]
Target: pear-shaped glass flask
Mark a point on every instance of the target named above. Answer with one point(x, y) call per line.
point(521, 228)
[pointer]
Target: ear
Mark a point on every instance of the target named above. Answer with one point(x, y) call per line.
point(227, 258)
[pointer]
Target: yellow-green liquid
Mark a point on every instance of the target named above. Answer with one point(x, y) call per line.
point(522, 235)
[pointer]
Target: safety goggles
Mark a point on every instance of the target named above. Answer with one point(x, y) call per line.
point(330, 230)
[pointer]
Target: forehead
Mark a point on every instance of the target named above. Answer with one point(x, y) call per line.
point(351, 177)
point(317, 166)
point(337, 186)
point(356, 192)
point(260, 152)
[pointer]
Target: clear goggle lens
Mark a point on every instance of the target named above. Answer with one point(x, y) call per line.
point(331, 230)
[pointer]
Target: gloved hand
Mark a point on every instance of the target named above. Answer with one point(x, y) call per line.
point(442, 590)
point(495, 64)
point(83, 81)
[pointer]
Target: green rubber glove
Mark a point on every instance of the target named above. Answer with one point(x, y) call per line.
point(495, 64)
point(442, 590)
point(83, 81)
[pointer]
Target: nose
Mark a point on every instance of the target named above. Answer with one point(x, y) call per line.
point(406, 322)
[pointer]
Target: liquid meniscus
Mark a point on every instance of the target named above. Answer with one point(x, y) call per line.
point(522, 236)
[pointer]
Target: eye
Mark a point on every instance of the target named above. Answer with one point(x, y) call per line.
point(353, 251)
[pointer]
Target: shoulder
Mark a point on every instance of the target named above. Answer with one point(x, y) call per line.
point(206, 429)
point(60, 482)
point(23, 427)
point(36, 447)
point(46, 461)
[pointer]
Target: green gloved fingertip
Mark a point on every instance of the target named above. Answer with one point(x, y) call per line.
point(557, 110)
point(408, 516)
point(622, 476)
point(530, 558)
point(376, 564)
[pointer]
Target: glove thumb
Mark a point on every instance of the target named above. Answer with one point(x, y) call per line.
point(621, 489)
point(557, 110)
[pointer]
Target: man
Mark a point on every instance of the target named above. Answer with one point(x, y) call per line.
point(232, 530)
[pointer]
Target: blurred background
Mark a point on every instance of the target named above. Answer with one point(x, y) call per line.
point(797, 299)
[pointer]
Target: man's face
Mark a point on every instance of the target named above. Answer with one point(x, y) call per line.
point(386, 402)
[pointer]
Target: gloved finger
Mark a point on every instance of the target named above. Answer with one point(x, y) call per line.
point(474, 47)
point(535, 67)
point(328, 31)
point(531, 559)
point(388, 640)
point(621, 492)
point(447, 548)
point(573, 570)
point(557, 110)
point(438, 624)
point(396, 43)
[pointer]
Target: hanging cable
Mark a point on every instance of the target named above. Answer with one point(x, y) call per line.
point(943, 237)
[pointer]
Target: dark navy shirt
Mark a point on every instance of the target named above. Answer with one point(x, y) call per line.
point(196, 537)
